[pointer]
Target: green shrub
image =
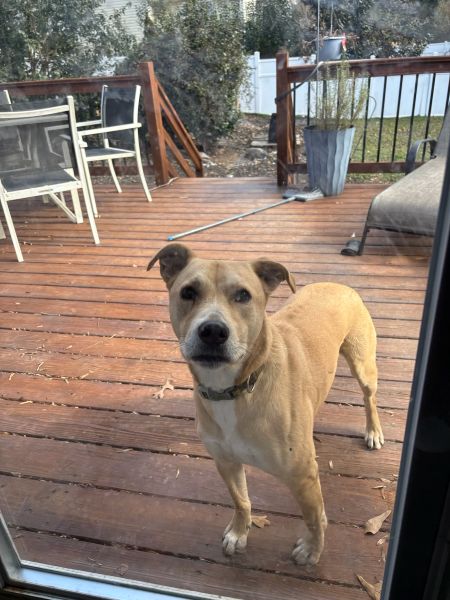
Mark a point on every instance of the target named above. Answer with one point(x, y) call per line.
point(197, 49)
point(275, 24)
point(49, 39)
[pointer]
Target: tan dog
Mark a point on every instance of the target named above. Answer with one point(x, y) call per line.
point(259, 380)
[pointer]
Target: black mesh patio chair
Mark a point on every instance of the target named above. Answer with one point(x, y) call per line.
point(40, 156)
point(411, 204)
point(119, 132)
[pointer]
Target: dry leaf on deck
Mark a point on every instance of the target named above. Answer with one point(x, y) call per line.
point(122, 569)
point(374, 590)
point(260, 522)
point(167, 386)
point(374, 524)
point(383, 539)
point(381, 488)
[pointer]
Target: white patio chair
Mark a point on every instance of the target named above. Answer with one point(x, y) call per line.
point(40, 155)
point(4, 97)
point(120, 135)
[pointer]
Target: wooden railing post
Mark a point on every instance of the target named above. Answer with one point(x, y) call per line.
point(155, 126)
point(285, 151)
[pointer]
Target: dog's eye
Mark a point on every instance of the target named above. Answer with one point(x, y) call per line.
point(242, 296)
point(188, 293)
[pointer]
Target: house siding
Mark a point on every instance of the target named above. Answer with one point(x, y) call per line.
point(131, 20)
point(133, 23)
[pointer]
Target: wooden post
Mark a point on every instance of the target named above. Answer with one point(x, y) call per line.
point(155, 126)
point(284, 131)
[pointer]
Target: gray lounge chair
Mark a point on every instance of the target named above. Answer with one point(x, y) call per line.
point(411, 204)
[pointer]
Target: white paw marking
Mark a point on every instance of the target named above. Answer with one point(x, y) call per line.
point(233, 542)
point(305, 552)
point(374, 439)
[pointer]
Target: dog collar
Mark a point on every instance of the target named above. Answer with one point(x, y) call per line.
point(232, 392)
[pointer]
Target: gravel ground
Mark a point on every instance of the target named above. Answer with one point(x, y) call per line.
point(234, 155)
point(244, 153)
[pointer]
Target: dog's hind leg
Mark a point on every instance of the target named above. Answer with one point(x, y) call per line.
point(236, 532)
point(359, 349)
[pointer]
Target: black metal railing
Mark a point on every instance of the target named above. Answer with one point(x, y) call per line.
point(393, 118)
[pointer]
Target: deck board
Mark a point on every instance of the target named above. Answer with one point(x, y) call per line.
point(97, 473)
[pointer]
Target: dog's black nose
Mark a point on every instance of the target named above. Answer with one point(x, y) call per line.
point(213, 333)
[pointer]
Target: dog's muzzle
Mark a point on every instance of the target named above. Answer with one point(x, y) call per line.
point(211, 350)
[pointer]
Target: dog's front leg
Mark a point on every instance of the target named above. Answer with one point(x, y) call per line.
point(307, 491)
point(236, 532)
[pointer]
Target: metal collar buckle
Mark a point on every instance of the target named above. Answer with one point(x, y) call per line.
point(251, 382)
point(233, 392)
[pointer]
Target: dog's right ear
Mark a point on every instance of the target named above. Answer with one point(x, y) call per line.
point(172, 259)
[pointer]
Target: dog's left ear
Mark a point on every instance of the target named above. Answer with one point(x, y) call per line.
point(272, 274)
point(172, 259)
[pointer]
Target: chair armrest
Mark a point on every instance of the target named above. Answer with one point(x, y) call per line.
point(89, 123)
point(65, 147)
point(108, 129)
point(412, 153)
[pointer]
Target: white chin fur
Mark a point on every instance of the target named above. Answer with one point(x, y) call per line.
point(218, 378)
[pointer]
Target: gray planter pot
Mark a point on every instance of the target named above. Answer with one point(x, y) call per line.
point(327, 156)
point(331, 48)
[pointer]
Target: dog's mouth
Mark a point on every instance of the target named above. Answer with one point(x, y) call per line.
point(210, 361)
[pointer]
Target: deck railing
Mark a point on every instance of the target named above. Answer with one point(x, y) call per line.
point(171, 147)
point(385, 153)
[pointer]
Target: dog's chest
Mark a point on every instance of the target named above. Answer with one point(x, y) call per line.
point(233, 443)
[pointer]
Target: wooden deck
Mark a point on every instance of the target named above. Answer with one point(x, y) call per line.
point(98, 473)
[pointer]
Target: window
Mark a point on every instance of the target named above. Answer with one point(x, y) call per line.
point(106, 490)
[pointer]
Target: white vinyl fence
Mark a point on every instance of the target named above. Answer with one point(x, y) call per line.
point(259, 95)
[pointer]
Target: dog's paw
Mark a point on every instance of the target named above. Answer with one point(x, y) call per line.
point(374, 438)
point(306, 552)
point(234, 541)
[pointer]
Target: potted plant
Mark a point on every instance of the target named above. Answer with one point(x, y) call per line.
point(339, 99)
